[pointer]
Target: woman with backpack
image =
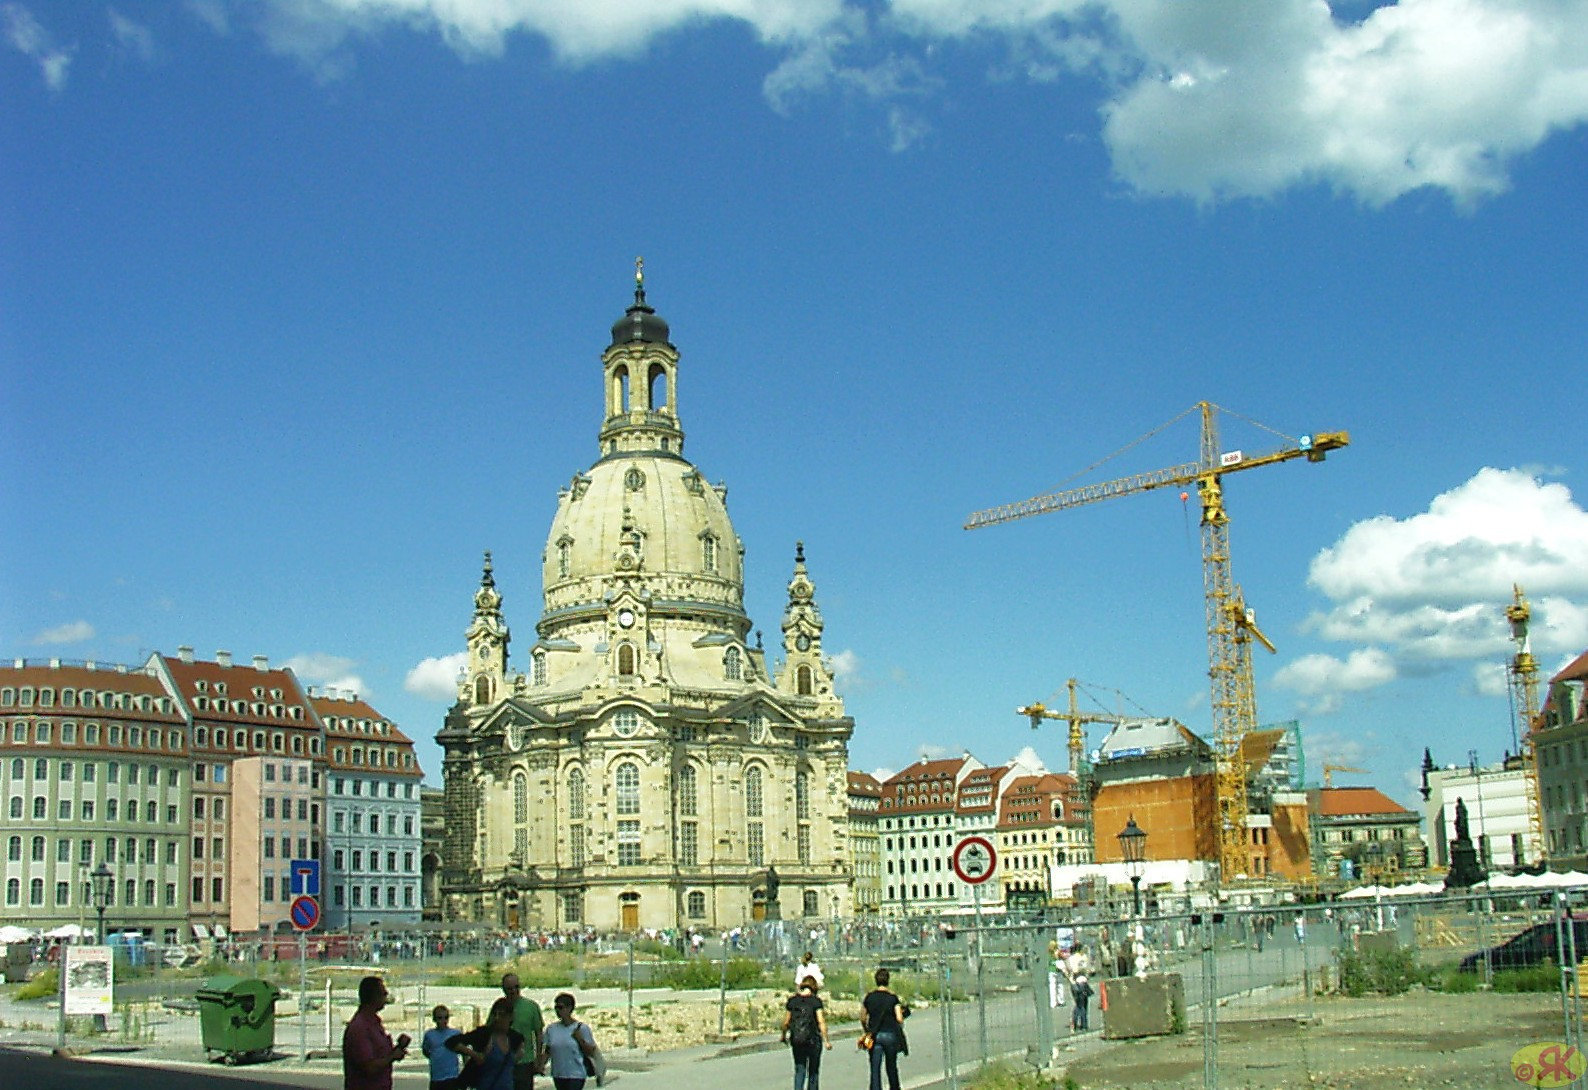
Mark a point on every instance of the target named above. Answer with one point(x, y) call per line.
point(805, 1031)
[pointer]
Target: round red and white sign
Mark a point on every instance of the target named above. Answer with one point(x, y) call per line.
point(974, 859)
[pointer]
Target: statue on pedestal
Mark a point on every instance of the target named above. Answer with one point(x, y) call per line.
point(1464, 868)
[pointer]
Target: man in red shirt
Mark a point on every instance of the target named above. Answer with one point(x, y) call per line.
point(367, 1050)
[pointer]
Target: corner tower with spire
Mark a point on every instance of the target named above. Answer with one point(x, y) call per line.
point(646, 770)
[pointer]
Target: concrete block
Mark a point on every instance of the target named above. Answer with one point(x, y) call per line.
point(1147, 1006)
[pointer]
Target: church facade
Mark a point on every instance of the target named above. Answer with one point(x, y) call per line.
point(649, 768)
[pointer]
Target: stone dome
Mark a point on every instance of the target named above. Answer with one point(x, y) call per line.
point(640, 323)
point(649, 522)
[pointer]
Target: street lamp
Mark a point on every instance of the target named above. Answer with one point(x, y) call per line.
point(1133, 847)
point(104, 883)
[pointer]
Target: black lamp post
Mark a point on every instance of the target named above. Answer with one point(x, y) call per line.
point(1133, 847)
point(104, 883)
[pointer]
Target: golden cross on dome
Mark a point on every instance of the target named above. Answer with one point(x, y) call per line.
point(639, 272)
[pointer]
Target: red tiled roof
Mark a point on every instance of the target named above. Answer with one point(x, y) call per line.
point(240, 684)
point(864, 783)
point(337, 711)
point(1576, 670)
point(79, 677)
point(1345, 801)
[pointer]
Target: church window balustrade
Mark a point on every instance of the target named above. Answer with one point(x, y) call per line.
point(687, 789)
point(576, 794)
point(803, 841)
point(755, 844)
point(627, 781)
point(689, 843)
point(629, 842)
point(576, 845)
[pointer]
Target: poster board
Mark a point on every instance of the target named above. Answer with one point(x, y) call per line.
point(88, 980)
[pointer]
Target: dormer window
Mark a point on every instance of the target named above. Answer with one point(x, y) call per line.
point(540, 667)
point(708, 553)
point(732, 664)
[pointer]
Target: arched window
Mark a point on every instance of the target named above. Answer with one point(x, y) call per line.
point(754, 800)
point(697, 905)
point(626, 660)
point(686, 791)
point(628, 788)
point(802, 795)
point(810, 904)
point(731, 664)
point(656, 387)
point(521, 818)
point(576, 794)
point(803, 681)
point(620, 389)
point(708, 552)
point(482, 690)
point(564, 558)
point(540, 668)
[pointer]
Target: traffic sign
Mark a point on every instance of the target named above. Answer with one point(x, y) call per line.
point(305, 912)
point(305, 877)
point(974, 860)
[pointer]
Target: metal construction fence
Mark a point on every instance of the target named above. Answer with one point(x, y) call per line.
point(1274, 995)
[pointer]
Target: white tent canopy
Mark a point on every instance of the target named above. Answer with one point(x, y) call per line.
point(68, 931)
point(1548, 880)
point(12, 933)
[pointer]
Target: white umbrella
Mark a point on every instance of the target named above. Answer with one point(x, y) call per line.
point(68, 931)
point(13, 933)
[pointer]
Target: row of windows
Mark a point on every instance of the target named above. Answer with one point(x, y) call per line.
point(339, 823)
point(358, 726)
point(66, 771)
point(222, 738)
point(135, 737)
point(339, 896)
point(339, 855)
point(342, 786)
point(38, 848)
point(84, 698)
point(85, 810)
point(63, 893)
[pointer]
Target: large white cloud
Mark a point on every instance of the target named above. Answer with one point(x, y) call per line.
point(1211, 99)
point(1432, 588)
point(327, 671)
point(436, 678)
point(1323, 679)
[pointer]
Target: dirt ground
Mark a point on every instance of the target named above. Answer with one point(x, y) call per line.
point(1421, 1039)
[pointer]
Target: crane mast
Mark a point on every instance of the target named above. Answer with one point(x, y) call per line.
point(1524, 698)
point(1231, 626)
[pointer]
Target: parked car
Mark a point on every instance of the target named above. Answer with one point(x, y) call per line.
point(1533, 946)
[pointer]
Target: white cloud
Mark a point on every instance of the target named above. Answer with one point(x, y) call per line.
point(328, 672)
point(1323, 678)
point(1029, 761)
point(24, 33)
point(72, 632)
point(931, 752)
point(436, 678)
point(1433, 587)
point(135, 38)
point(1490, 679)
point(845, 666)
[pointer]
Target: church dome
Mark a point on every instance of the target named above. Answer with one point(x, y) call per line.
point(649, 522)
point(640, 323)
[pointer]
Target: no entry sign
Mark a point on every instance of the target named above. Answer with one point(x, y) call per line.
point(974, 860)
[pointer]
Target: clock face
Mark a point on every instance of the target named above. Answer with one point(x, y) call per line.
point(626, 618)
point(803, 643)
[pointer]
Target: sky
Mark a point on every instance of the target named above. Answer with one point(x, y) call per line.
point(302, 305)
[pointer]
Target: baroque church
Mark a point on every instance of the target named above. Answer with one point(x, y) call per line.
point(650, 768)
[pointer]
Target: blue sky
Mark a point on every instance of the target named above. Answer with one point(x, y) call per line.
point(302, 302)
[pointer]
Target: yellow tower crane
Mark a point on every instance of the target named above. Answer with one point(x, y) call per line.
point(1074, 717)
point(1230, 625)
point(1524, 697)
point(1330, 770)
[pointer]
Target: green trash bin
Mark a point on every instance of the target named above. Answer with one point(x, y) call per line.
point(237, 1018)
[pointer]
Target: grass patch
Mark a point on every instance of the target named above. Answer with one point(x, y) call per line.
point(46, 983)
point(1537, 978)
point(698, 974)
point(1380, 972)
point(1005, 1076)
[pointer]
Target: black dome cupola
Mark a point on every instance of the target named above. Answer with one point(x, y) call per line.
point(640, 322)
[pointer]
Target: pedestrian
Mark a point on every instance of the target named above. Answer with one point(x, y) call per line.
point(494, 1051)
point(368, 1052)
point(882, 1017)
point(570, 1054)
point(808, 968)
point(529, 1024)
point(444, 1063)
point(1081, 991)
point(805, 1032)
